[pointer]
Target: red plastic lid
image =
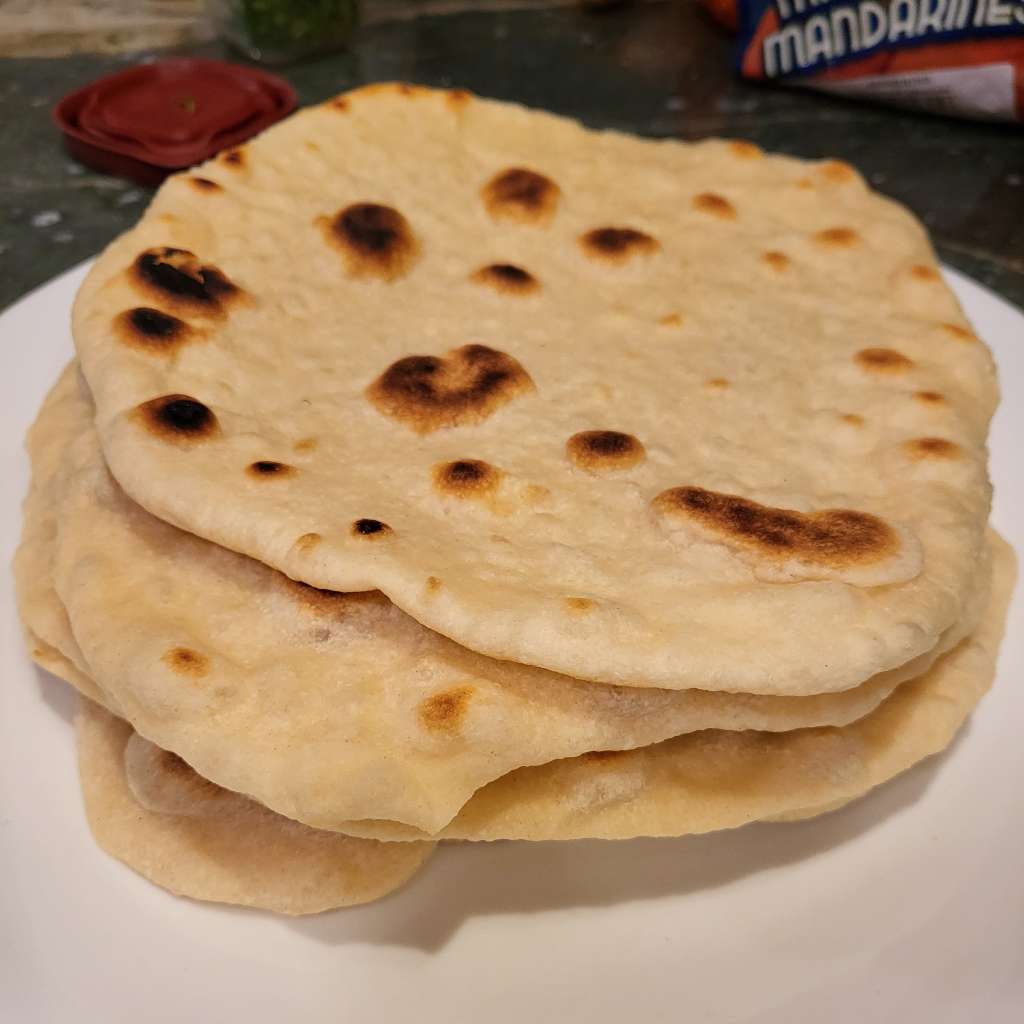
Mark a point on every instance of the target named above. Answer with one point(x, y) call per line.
point(151, 119)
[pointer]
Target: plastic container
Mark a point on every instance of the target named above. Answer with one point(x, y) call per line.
point(150, 120)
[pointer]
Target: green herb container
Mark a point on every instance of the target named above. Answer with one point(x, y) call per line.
point(281, 31)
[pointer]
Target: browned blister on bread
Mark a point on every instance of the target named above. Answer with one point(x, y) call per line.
point(178, 278)
point(178, 419)
point(520, 194)
point(603, 450)
point(617, 244)
point(374, 240)
point(507, 278)
point(464, 386)
point(836, 541)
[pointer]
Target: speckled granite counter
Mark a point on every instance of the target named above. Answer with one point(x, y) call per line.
point(657, 68)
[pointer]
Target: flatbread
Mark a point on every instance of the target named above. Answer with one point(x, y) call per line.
point(325, 707)
point(51, 659)
point(42, 615)
point(219, 846)
point(715, 780)
point(44, 619)
point(647, 413)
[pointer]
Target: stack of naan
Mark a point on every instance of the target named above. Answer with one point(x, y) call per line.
point(432, 469)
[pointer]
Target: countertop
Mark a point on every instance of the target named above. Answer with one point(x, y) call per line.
point(658, 68)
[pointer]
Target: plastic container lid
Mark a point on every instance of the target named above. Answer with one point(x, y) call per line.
point(149, 120)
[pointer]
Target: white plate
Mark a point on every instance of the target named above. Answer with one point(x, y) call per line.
point(907, 906)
